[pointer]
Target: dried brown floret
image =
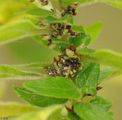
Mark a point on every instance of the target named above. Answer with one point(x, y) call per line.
point(60, 29)
point(71, 9)
point(64, 65)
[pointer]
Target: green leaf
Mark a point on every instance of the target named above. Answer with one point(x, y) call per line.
point(30, 51)
point(87, 78)
point(114, 3)
point(102, 103)
point(67, 2)
point(105, 73)
point(17, 30)
point(8, 9)
point(108, 57)
point(89, 111)
point(73, 116)
point(14, 109)
point(77, 28)
point(80, 39)
point(42, 114)
point(94, 31)
point(66, 19)
point(8, 72)
point(34, 10)
point(30, 116)
point(86, 51)
point(57, 87)
point(63, 114)
point(36, 99)
point(90, 35)
point(56, 115)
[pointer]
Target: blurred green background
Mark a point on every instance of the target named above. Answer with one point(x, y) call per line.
point(110, 38)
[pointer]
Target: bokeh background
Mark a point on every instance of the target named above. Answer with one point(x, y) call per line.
point(111, 38)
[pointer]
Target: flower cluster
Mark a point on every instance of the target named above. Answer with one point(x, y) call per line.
point(71, 9)
point(66, 65)
point(60, 29)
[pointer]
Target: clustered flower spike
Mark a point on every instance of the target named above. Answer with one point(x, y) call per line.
point(66, 65)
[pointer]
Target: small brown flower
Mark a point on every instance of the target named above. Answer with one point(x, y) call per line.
point(71, 9)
